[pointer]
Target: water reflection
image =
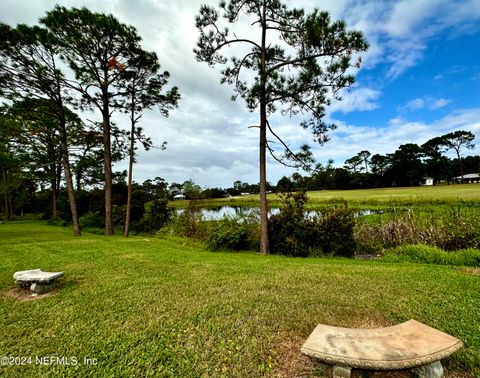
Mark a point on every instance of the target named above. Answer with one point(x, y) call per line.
point(242, 211)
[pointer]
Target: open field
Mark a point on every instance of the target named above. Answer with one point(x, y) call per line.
point(157, 307)
point(419, 195)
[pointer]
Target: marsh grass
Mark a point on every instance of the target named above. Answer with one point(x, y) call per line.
point(447, 227)
point(167, 307)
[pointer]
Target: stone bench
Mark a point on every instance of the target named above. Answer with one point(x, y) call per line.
point(36, 280)
point(407, 345)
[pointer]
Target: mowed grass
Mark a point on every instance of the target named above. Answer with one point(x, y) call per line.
point(169, 308)
point(447, 193)
point(417, 195)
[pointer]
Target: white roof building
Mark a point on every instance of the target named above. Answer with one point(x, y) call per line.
point(469, 177)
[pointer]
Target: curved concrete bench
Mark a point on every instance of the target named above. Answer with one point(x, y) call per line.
point(36, 280)
point(408, 345)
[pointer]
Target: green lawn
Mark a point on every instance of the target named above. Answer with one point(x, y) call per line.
point(168, 308)
point(416, 193)
point(438, 194)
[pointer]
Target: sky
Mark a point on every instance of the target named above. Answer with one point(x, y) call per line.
point(420, 78)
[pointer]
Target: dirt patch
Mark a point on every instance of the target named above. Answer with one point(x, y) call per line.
point(293, 364)
point(474, 271)
point(22, 295)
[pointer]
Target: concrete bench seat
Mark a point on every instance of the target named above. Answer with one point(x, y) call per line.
point(407, 345)
point(36, 280)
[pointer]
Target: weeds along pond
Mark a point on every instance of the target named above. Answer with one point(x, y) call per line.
point(450, 227)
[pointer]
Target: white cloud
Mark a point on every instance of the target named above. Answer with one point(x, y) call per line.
point(399, 31)
point(348, 140)
point(407, 15)
point(357, 99)
point(417, 103)
point(440, 103)
point(426, 102)
point(397, 121)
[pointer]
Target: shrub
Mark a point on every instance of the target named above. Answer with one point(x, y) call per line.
point(157, 215)
point(289, 230)
point(187, 223)
point(293, 233)
point(92, 219)
point(57, 222)
point(335, 231)
point(232, 233)
point(118, 216)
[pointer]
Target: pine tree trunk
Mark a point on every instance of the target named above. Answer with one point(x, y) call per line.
point(53, 184)
point(129, 185)
point(9, 206)
point(68, 178)
point(54, 199)
point(264, 242)
point(5, 195)
point(107, 157)
point(460, 164)
point(78, 179)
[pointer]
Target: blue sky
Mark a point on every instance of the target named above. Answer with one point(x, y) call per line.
point(445, 78)
point(419, 79)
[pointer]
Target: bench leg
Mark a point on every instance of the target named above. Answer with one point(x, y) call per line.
point(341, 371)
point(22, 284)
point(37, 288)
point(434, 370)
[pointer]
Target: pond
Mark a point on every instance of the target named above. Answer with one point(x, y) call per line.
point(234, 211)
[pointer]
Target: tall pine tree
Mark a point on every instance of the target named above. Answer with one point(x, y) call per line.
point(299, 61)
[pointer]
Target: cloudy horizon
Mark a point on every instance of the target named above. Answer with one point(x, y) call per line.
point(420, 79)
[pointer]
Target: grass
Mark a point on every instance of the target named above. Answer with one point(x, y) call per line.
point(371, 198)
point(422, 253)
point(167, 307)
point(447, 193)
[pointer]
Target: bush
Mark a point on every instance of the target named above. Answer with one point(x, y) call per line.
point(293, 233)
point(157, 215)
point(92, 219)
point(57, 222)
point(118, 216)
point(232, 233)
point(335, 231)
point(289, 230)
point(187, 223)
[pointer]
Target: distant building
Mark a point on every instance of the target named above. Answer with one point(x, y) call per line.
point(179, 197)
point(427, 181)
point(469, 178)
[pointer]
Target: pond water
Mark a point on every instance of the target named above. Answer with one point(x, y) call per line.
point(234, 211)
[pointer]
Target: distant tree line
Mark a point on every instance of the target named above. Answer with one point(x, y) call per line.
point(409, 165)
